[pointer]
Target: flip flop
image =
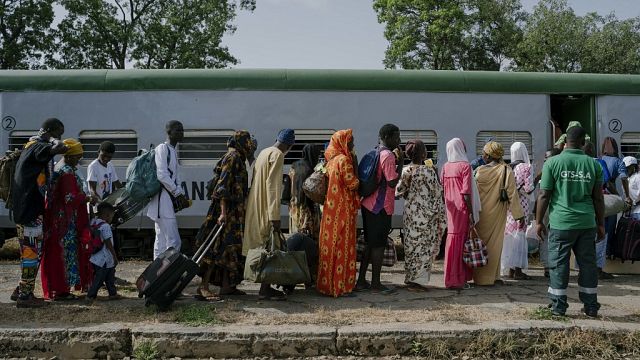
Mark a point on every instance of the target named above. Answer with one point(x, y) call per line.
point(384, 290)
point(207, 296)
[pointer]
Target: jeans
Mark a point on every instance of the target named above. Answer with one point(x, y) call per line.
point(582, 242)
point(103, 274)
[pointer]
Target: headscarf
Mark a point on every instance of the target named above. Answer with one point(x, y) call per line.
point(610, 147)
point(286, 136)
point(241, 141)
point(74, 147)
point(339, 144)
point(456, 151)
point(494, 150)
point(311, 154)
point(413, 148)
point(519, 153)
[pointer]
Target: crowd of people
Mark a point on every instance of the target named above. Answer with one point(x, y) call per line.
point(486, 198)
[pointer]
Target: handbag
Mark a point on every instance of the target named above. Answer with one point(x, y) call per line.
point(475, 252)
point(315, 186)
point(504, 195)
point(389, 258)
point(273, 265)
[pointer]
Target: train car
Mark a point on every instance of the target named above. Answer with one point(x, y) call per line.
point(130, 108)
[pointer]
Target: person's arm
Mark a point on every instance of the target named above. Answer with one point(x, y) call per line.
point(402, 188)
point(115, 182)
point(514, 197)
point(598, 205)
point(92, 179)
point(390, 170)
point(112, 250)
point(544, 199)
point(162, 170)
point(274, 190)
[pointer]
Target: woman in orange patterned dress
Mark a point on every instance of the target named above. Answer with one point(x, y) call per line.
point(337, 266)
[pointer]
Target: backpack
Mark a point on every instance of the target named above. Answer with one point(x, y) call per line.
point(142, 177)
point(7, 170)
point(95, 244)
point(367, 172)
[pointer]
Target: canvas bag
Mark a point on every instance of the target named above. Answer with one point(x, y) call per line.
point(613, 205)
point(7, 170)
point(142, 177)
point(272, 265)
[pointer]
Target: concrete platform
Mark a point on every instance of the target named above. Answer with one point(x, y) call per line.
point(307, 324)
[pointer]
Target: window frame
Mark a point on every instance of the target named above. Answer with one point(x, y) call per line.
point(27, 134)
point(203, 133)
point(429, 138)
point(635, 144)
point(483, 135)
point(108, 135)
point(318, 137)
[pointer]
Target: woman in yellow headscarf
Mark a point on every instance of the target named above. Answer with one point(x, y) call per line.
point(492, 179)
point(65, 260)
point(337, 264)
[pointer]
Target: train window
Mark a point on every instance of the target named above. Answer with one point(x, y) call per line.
point(428, 137)
point(18, 138)
point(630, 144)
point(126, 142)
point(506, 138)
point(317, 137)
point(203, 146)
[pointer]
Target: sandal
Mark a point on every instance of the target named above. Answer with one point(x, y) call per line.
point(65, 297)
point(362, 287)
point(274, 295)
point(383, 290)
point(206, 295)
point(413, 287)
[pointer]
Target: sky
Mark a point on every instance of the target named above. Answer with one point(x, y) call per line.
point(338, 34)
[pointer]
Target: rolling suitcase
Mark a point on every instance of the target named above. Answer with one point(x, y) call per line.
point(165, 278)
point(126, 208)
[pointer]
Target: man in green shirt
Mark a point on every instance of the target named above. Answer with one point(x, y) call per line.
point(571, 187)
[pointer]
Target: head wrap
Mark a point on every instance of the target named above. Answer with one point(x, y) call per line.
point(456, 151)
point(494, 150)
point(610, 147)
point(413, 148)
point(241, 141)
point(519, 153)
point(311, 154)
point(630, 160)
point(286, 136)
point(339, 144)
point(74, 147)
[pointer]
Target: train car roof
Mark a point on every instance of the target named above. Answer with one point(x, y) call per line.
point(318, 80)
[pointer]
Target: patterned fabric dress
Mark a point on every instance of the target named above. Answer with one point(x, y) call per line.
point(303, 217)
point(65, 262)
point(337, 266)
point(423, 219)
point(515, 251)
point(230, 183)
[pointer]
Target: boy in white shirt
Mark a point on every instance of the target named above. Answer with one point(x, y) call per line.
point(101, 175)
point(104, 261)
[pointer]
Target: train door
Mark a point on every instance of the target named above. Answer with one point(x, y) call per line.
point(567, 108)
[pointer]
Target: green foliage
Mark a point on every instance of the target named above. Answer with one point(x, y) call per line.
point(146, 350)
point(498, 35)
point(197, 315)
point(147, 33)
point(544, 313)
point(25, 33)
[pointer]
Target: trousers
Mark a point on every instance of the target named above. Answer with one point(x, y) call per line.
point(102, 275)
point(561, 243)
point(167, 236)
point(30, 238)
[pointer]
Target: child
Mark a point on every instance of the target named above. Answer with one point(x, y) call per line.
point(104, 261)
point(101, 175)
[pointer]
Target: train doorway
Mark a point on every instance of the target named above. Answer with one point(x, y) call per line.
point(567, 108)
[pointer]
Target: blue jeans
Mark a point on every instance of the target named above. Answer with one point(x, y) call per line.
point(103, 274)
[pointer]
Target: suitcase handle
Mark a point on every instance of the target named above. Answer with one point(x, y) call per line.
point(206, 245)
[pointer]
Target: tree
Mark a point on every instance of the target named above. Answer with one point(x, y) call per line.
point(495, 32)
point(24, 26)
point(187, 34)
point(423, 34)
point(147, 33)
point(614, 48)
point(554, 39)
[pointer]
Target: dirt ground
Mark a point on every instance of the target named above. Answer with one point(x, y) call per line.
point(516, 300)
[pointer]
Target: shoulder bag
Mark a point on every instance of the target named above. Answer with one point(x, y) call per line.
point(272, 264)
point(504, 195)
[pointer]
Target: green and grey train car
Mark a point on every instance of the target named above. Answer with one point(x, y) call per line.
point(130, 108)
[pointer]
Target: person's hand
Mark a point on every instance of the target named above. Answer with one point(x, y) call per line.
point(541, 231)
point(93, 199)
point(59, 148)
point(522, 222)
point(399, 155)
point(601, 232)
point(183, 201)
point(222, 218)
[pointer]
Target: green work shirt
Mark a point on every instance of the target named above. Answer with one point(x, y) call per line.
point(571, 177)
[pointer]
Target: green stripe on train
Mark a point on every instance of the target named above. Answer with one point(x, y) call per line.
point(318, 80)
